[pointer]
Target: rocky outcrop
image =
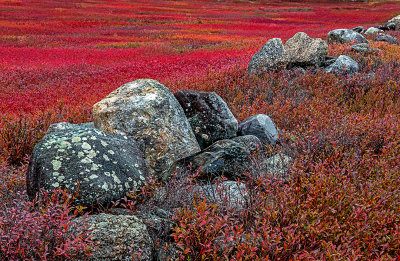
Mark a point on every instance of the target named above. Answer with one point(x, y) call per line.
point(271, 57)
point(343, 65)
point(262, 127)
point(106, 166)
point(208, 115)
point(148, 112)
point(304, 51)
point(345, 36)
point(117, 237)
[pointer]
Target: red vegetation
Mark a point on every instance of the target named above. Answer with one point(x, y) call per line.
point(58, 58)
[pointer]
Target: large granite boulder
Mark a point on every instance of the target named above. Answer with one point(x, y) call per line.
point(209, 116)
point(224, 157)
point(147, 111)
point(387, 38)
point(271, 57)
point(117, 237)
point(262, 127)
point(343, 65)
point(304, 51)
point(394, 23)
point(345, 36)
point(106, 166)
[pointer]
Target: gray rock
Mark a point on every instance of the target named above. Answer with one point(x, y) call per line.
point(361, 48)
point(394, 23)
point(271, 57)
point(117, 237)
point(373, 30)
point(343, 65)
point(230, 194)
point(224, 157)
point(61, 126)
point(106, 166)
point(304, 51)
point(209, 116)
point(251, 142)
point(345, 36)
point(277, 165)
point(358, 29)
point(262, 127)
point(147, 111)
point(387, 38)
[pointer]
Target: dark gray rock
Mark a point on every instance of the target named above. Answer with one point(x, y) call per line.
point(148, 112)
point(106, 166)
point(343, 65)
point(358, 29)
point(345, 36)
point(271, 57)
point(224, 157)
point(229, 194)
point(117, 237)
point(373, 30)
point(251, 142)
point(304, 51)
point(208, 115)
point(262, 127)
point(387, 38)
point(61, 126)
point(361, 48)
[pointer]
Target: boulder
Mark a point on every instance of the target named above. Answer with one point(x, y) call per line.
point(343, 65)
point(271, 57)
point(394, 23)
point(262, 127)
point(304, 51)
point(230, 194)
point(345, 36)
point(106, 166)
point(208, 115)
point(251, 142)
point(224, 157)
point(61, 126)
point(117, 237)
point(373, 30)
point(148, 112)
point(387, 38)
point(361, 48)
point(358, 29)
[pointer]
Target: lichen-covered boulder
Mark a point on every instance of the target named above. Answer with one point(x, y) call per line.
point(224, 157)
point(209, 116)
point(304, 51)
point(106, 166)
point(262, 127)
point(271, 57)
point(117, 237)
point(62, 126)
point(251, 142)
point(343, 65)
point(394, 23)
point(373, 30)
point(147, 111)
point(345, 36)
point(387, 38)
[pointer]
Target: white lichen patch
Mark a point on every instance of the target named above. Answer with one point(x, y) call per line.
point(92, 154)
point(56, 185)
point(129, 178)
point(106, 157)
point(93, 176)
point(80, 154)
point(86, 146)
point(86, 179)
point(116, 179)
point(126, 185)
point(105, 186)
point(111, 152)
point(95, 167)
point(56, 164)
point(107, 173)
point(141, 177)
point(60, 178)
point(56, 174)
point(93, 138)
point(86, 160)
point(76, 139)
point(105, 144)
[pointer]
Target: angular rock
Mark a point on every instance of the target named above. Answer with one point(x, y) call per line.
point(358, 29)
point(61, 126)
point(343, 65)
point(373, 30)
point(394, 23)
point(224, 157)
point(271, 57)
point(251, 142)
point(147, 111)
point(208, 115)
point(387, 38)
point(228, 193)
point(106, 166)
point(304, 51)
point(345, 36)
point(262, 127)
point(117, 237)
